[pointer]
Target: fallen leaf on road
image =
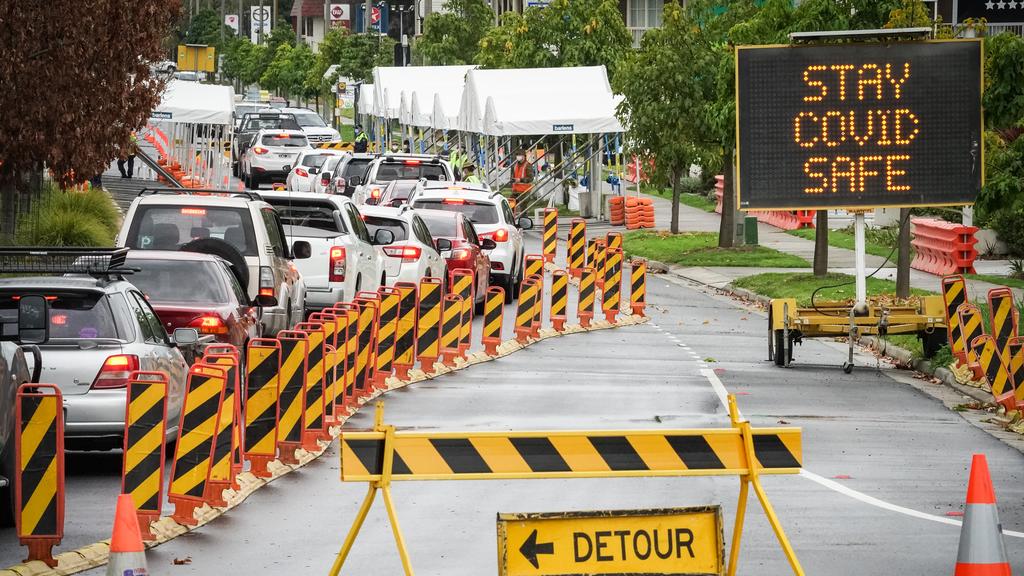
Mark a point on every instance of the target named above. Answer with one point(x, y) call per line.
point(743, 318)
point(710, 360)
point(182, 561)
point(707, 321)
point(783, 422)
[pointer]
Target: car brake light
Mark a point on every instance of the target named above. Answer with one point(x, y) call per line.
point(500, 235)
point(116, 371)
point(266, 281)
point(194, 211)
point(336, 266)
point(301, 172)
point(209, 325)
point(453, 201)
point(495, 265)
point(375, 193)
point(410, 253)
point(260, 150)
point(460, 254)
point(413, 162)
point(59, 319)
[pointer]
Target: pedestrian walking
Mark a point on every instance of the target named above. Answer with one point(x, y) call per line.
point(128, 157)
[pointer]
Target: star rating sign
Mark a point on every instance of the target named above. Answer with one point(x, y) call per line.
point(990, 5)
point(1013, 5)
point(1001, 4)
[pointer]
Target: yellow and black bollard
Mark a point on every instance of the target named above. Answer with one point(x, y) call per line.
point(387, 328)
point(142, 469)
point(197, 429)
point(559, 299)
point(313, 426)
point(367, 332)
point(428, 323)
point(577, 242)
point(463, 285)
point(405, 337)
point(585, 304)
point(591, 253)
point(292, 400)
point(610, 298)
point(971, 326)
point(494, 312)
point(954, 295)
point(263, 367)
point(451, 328)
point(39, 469)
point(222, 473)
point(549, 246)
point(613, 240)
point(638, 286)
point(526, 310)
point(994, 370)
point(600, 256)
point(533, 265)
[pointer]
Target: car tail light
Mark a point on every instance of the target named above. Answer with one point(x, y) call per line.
point(453, 201)
point(193, 211)
point(495, 265)
point(259, 150)
point(266, 281)
point(115, 371)
point(460, 254)
point(375, 193)
point(499, 235)
point(336, 267)
point(408, 253)
point(209, 325)
point(413, 162)
point(301, 172)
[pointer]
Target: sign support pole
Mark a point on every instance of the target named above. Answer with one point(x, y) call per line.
point(860, 260)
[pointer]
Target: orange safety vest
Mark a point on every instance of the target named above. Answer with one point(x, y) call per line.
point(519, 172)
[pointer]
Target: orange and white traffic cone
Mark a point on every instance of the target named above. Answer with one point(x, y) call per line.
point(127, 554)
point(981, 552)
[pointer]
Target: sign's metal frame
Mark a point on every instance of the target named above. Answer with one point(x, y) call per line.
point(749, 475)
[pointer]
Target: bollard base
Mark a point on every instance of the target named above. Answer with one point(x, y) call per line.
point(610, 316)
point(287, 451)
point(585, 319)
point(549, 257)
point(523, 335)
point(146, 520)
point(638, 309)
point(402, 371)
point(41, 549)
point(309, 440)
point(427, 363)
point(558, 324)
point(214, 494)
point(184, 511)
point(491, 346)
point(448, 357)
point(258, 467)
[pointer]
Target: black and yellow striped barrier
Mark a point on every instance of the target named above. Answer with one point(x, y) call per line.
point(334, 385)
point(526, 310)
point(994, 370)
point(612, 290)
point(145, 431)
point(385, 454)
point(538, 306)
point(600, 255)
point(638, 286)
point(39, 470)
point(263, 367)
point(233, 386)
point(314, 427)
point(331, 373)
point(613, 240)
point(1003, 316)
point(197, 430)
point(428, 323)
point(533, 265)
point(1016, 350)
point(405, 337)
point(954, 295)
point(585, 303)
point(972, 326)
point(577, 246)
point(292, 398)
point(367, 334)
point(387, 327)
point(451, 328)
point(591, 252)
point(559, 299)
point(222, 474)
point(348, 341)
point(494, 317)
point(463, 285)
point(549, 240)
point(341, 145)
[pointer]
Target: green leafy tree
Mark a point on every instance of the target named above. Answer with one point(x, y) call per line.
point(453, 36)
point(520, 41)
point(205, 28)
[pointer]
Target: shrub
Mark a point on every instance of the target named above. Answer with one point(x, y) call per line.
point(689, 185)
point(94, 205)
point(70, 219)
point(1007, 224)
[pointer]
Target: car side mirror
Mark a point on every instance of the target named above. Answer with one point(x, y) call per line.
point(443, 244)
point(301, 250)
point(265, 300)
point(185, 336)
point(325, 176)
point(524, 223)
point(314, 170)
point(488, 244)
point(383, 237)
point(33, 320)
point(355, 181)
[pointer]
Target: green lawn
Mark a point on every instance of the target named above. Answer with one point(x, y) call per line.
point(844, 239)
point(1001, 280)
point(701, 249)
point(698, 201)
point(348, 133)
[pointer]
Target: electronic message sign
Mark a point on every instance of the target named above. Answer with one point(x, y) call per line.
point(859, 125)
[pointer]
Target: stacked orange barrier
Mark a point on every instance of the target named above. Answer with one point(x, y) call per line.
point(785, 219)
point(943, 247)
point(639, 213)
point(617, 210)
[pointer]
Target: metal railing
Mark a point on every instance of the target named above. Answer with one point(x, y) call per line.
point(553, 178)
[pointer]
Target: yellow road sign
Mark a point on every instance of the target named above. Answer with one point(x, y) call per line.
point(674, 541)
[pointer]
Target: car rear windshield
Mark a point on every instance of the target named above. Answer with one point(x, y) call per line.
point(440, 225)
point(401, 190)
point(255, 123)
point(477, 212)
point(310, 120)
point(73, 315)
point(170, 227)
point(357, 167)
point(180, 281)
point(314, 160)
point(285, 140)
point(388, 171)
point(397, 227)
point(308, 214)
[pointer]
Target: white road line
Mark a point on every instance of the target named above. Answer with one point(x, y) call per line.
point(723, 397)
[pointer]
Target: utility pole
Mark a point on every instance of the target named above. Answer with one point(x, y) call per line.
point(222, 24)
point(240, 33)
point(259, 30)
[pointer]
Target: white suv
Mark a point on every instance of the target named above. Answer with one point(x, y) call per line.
point(345, 258)
point(271, 154)
point(391, 167)
point(413, 253)
point(237, 226)
point(491, 217)
point(316, 130)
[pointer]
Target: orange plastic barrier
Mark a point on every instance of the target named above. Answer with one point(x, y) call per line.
point(943, 247)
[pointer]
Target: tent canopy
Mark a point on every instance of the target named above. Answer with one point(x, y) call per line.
point(366, 100)
point(195, 103)
point(390, 82)
point(575, 100)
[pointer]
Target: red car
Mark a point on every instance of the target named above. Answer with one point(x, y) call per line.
point(468, 252)
point(193, 290)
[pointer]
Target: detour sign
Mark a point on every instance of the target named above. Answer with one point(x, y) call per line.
point(664, 541)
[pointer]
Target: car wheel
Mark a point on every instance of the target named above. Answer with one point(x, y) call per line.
point(222, 249)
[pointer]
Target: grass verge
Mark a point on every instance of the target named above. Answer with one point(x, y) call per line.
point(698, 201)
point(844, 239)
point(701, 249)
point(1000, 280)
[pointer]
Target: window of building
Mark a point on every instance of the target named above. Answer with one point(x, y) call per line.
point(645, 13)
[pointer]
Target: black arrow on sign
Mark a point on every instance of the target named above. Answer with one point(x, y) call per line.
point(530, 549)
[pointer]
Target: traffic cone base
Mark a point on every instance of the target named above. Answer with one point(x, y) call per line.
point(981, 551)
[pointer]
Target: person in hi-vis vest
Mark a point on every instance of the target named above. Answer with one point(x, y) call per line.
point(522, 175)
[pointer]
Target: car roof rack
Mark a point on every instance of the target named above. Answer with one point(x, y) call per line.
point(98, 262)
point(201, 192)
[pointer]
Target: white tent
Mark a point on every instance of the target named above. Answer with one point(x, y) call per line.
point(557, 98)
point(390, 82)
point(366, 100)
point(195, 103)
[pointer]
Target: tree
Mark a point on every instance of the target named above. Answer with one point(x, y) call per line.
point(205, 28)
point(76, 88)
point(453, 36)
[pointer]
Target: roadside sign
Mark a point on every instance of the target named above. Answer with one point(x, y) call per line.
point(260, 22)
point(992, 12)
point(859, 125)
point(341, 15)
point(375, 15)
point(231, 21)
point(676, 541)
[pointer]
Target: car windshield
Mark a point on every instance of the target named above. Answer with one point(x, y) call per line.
point(477, 212)
point(307, 214)
point(397, 227)
point(314, 160)
point(440, 225)
point(169, 227)
point(285, 140)
point(180, 281)
point(73, 315)
point(255, 123)
point(242, 109)
point(310, 120)
point(409, 170)
point(357, 167)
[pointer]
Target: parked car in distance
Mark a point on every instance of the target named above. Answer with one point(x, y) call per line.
point(244, 107)
point(195, 290)
point(349, 173)
point(252, 123)
point(492, 219)
point(344, 255)
point(313, 125)
point(396, 193)
point(400, 167)
point(237, 226)
point(270, 156)
point(414, 253)
point(468, 252)
point(307, 168)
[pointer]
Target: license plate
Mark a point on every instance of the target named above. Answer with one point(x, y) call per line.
point(289, 156)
